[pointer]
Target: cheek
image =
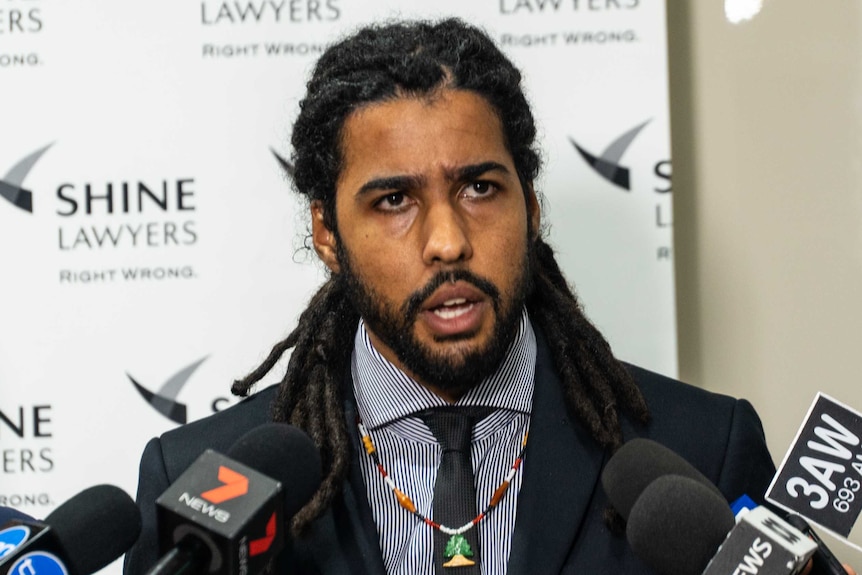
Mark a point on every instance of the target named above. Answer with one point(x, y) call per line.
point(515, 264)
point(504, 251)
point(387, 267)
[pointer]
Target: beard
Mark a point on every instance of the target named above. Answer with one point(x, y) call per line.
point(393, 324)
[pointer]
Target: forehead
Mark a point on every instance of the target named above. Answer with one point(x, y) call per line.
point(421, 135)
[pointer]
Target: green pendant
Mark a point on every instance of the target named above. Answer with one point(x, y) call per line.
point(458, 552)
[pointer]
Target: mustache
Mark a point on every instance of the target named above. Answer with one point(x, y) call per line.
point(414, 303)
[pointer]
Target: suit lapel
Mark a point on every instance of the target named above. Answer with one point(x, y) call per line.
point(561, 472)
point(367, 557)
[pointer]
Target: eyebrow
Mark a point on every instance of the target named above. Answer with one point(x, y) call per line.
point(390, 183)
point(460, 174)
point(473, 171)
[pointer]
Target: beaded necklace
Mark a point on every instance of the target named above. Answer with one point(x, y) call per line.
point(408, 504)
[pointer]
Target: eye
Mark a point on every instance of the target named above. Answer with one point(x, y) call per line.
point(391, 202)
point(479, 189)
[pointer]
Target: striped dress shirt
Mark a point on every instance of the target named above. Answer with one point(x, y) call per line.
point(388, 400)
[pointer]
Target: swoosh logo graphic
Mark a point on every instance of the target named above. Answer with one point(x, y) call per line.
point(607, 165)
point(165, 400)
point(285, 165)
point(12, 185)
point(235, 484)
point(262, 545)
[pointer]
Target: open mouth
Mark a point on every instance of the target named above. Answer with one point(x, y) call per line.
point(453, 308)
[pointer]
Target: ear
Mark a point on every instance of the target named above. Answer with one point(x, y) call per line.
point(323, 238)
point(534, 211)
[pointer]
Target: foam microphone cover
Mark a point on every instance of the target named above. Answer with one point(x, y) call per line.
point(286, 454)
point(677, 525)
point(95, 527)
point(636, 465)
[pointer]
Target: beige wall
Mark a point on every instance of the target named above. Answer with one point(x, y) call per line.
point(767, 151)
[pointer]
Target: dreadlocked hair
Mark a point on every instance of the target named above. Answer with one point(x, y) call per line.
point(415, 59)
point(596, 384)
point(405, 59)
point(310, 394)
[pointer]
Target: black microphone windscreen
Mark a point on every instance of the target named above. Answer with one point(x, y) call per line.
point(636, 465)
point(286, 454)
point(677, 525)
point(95, 527)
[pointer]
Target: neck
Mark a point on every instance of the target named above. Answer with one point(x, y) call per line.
point(448, 394)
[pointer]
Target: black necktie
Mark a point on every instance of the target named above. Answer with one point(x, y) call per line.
point(454, 491)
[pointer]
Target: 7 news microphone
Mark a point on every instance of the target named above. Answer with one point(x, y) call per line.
point(81, 536)
point(679, 523)
point(226, 515)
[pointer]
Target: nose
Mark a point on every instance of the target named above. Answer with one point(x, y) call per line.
point(446, 236)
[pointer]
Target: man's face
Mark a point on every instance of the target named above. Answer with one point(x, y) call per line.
point(433, 235)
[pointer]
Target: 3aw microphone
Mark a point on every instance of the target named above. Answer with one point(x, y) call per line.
point(678, 527)
point(677, 524)
point(226, 515)
point(81, 536)
point(639, 462)
point(677, 519)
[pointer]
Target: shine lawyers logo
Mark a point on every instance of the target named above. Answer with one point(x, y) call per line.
point(285, 165)
point(607, 164)
point(165, 399)
point(12, 184)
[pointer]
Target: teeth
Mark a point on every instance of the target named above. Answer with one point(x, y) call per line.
point(456, 301)
point(452, 313)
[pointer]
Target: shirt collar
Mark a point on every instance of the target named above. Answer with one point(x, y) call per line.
point(385, 394)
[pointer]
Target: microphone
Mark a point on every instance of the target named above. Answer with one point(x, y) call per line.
point(677, 525)
point(636, 464)
point(825, 562)
point(676, 519)
point(226, 515)
point(285, 453)
point(80, 537)
point(819, 475)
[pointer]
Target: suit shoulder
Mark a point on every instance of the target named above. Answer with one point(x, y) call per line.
point(665, 393)
point(181, 446)
point(720, 435)
point(682, 410)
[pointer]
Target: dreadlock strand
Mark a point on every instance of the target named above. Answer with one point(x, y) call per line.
point(563, 354)
point(294, 384)
point(338, 456)
point(243, 386)
point(325, 424)
point(308, 417)
point(598, 383)
point(319, 407)
point(581, 400)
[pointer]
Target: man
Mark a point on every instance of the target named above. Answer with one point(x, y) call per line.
point(415, 149)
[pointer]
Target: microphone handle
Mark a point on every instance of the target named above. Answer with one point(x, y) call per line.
point(190, 556)
point(824, 561)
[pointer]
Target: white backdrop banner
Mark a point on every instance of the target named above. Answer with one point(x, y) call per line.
point(151, 247)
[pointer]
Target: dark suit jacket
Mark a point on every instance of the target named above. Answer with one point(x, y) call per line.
point(559, 526)
point(8, 514)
